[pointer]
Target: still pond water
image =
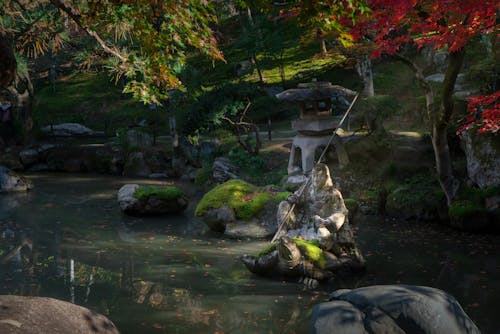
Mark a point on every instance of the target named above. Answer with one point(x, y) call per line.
point(170, 275)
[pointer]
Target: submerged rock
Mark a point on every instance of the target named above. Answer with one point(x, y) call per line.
point(11, 182)
point(142, 200)
point(33, 315)
point(391, 309)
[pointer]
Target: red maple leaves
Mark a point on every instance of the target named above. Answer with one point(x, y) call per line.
point(483, 113)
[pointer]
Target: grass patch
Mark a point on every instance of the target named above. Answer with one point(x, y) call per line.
point(245, 199)
point(464, 210)
point(312, 251)
point(163, 193)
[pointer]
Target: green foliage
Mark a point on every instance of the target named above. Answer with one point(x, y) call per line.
point(246, 200)
point(312, 251)
point(210, 108)
point(415, 191)
point(351, 204)
point(464, 210)
point(203, 174)
point(379, 106)
point(164, 193)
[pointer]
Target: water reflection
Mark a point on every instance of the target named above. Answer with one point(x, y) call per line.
point(67, 239)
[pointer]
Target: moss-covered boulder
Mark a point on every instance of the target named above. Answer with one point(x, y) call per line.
point(151, 200)
point(239, 209)
point(476, 209)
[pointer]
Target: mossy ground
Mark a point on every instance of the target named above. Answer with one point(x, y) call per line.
point(246, 200)
point(164, 193)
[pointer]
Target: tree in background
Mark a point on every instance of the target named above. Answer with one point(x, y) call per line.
point(33, 28)
point(449, 25)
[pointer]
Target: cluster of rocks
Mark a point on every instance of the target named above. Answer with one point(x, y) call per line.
point(105, 158)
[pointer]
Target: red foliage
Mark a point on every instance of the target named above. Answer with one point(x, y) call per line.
point(442, 23)
point(484, 114)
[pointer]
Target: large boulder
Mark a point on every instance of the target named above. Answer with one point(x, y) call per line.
point(391, 309)
point(148, 200)
point(483, 158)
point(28, 156)
point(11, 182)
point(40, 315)
point(66, 130)
point(224, 170)
point(240, 210)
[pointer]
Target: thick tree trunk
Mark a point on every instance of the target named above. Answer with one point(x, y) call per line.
point(364, 69)
point(440, 123)
point(8, 62)
point(440, 118)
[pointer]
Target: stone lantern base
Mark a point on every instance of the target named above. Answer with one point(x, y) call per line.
point(304, 149)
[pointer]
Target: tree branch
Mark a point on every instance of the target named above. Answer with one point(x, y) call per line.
point(77, 18)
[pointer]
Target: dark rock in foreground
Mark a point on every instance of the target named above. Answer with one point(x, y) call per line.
point(41, 315)
point(391, 309)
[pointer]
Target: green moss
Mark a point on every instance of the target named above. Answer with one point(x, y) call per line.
point(266, 250)
point(463, 210)
point(312, 251)
point(164, 193)
point(245, 199)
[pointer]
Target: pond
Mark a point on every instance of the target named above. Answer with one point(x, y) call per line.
point(170, 275)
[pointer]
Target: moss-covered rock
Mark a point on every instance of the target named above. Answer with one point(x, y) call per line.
point(240, 209)
point(475, 209)
point(151, 200)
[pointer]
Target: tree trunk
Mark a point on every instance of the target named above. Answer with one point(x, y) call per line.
point(322, 41)
point(440, 123)
point(8, 62)
point(24, 104)
point(364, 69)
point(257, 67)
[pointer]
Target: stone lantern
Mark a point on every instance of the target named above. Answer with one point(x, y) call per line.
point(316, 123)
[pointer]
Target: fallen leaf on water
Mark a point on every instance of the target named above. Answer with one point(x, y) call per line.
point(157, 325)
